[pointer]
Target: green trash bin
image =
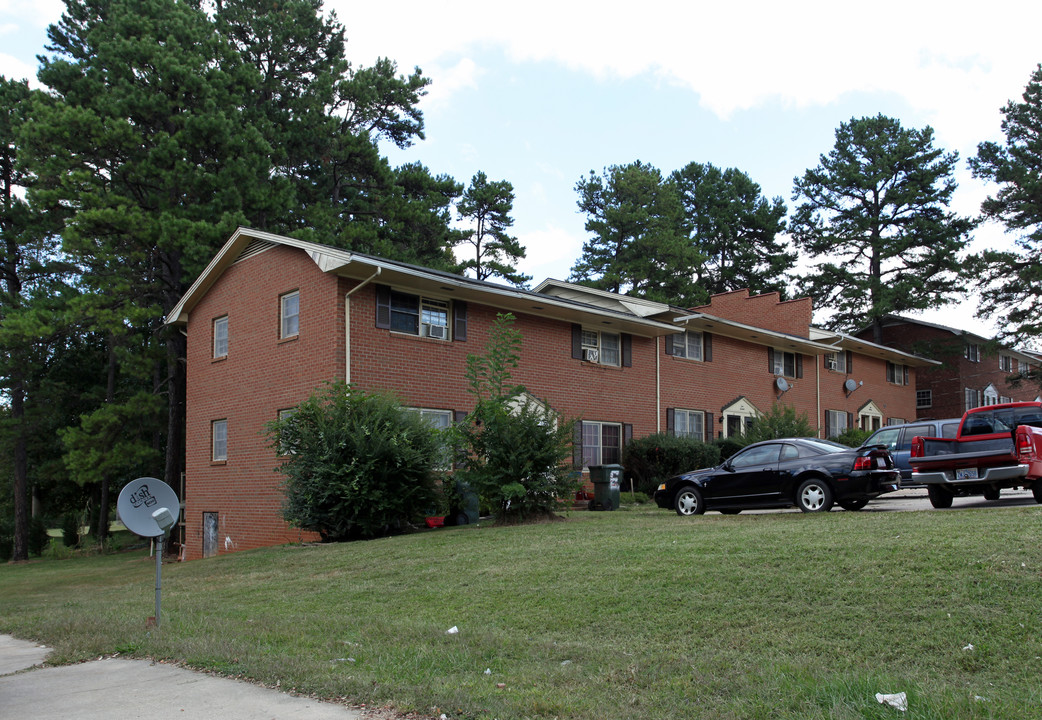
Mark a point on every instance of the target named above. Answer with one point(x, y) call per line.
point(606, 480)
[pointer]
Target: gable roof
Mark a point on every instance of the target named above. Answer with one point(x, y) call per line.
point(246, 242)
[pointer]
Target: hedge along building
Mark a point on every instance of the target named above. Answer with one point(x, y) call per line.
point(273, 318)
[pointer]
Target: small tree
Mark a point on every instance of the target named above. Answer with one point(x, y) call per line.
point(782, 421)
point(356, 464)
point(513, 447)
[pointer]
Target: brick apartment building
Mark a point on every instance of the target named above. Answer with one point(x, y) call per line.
point(272, 318)
point(973, 370)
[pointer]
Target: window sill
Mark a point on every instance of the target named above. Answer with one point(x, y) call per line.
point(291, 338)
point(410, 336)
point(222, 358)
point(681, 358)
point(214, 463)
point(602, 366)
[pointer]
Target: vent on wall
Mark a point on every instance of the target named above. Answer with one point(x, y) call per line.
point(254, 248)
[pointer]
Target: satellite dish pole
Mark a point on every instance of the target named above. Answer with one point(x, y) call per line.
point(144, 506)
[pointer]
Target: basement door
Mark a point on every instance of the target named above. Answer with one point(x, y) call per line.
point(209, 534)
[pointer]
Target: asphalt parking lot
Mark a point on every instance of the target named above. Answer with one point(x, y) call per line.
point(916, 499)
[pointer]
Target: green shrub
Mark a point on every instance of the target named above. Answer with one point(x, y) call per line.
point(70, 529)
point(781, 422)
point(356, 464)
point(512, 448)
point(853, 437)
point(655, 458)
point(38, 537)
point(729, 446)
point(635, 498)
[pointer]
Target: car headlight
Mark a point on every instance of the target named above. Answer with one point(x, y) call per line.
point(662, 486)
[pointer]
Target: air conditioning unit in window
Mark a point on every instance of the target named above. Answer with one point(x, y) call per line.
point(438, 332)
point(590, 355)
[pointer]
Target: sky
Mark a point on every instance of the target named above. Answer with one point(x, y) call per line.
point(542, 93)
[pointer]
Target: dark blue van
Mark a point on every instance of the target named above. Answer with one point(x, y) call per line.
point(898, 440)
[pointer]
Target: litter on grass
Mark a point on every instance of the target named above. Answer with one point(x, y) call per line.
point(452, 630)
point(898, 701)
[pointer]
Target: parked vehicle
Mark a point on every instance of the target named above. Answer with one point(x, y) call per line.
point(898, 441)
point(997, 447)
point(809, 473)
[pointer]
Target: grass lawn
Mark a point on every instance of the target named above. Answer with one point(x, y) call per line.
point(632, 614)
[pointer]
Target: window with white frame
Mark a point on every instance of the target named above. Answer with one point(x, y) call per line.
point(973, 352)
point(220, 337)
point(219, 436)
point(835, 423)
point(923, 398)
point(1005, 363)
point(602, 443)
point(600, 347)
point(688, 344)
point(896, 373)
point(418, 315)
point(689, 423)
point(1004, 399)
point(836, 361)
point(440, 420)
point(1022, 366)
point(972, 398)
point(896, 421)
point(784, 363)
point(289, 314)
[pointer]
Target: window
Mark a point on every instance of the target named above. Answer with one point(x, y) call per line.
point(602, 443)
point(219, 433)
point(972, 352)
point(689, 423)
point(759, 455)
point(895, 421)
point(413, 314)
point(923, 398)
point(1022, 367)
point(1005, 363)
point(440, 420)
point(688, 345)
point(896, 374)
point(289, 314)
point(600, 347)
point(220, 337)
point(836, 361)
point(1004, 399)
point(835, 422)
point(972, 397)
point(784, 363)
point(285, 448)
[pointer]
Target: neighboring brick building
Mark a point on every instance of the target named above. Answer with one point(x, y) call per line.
point(272, 318)
point(973, 370)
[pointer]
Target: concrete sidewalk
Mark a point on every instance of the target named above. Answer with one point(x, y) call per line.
point(119, 688)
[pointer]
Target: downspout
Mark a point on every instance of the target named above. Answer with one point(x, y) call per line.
point(658, 387)
point(817, 380)
point(347, 322)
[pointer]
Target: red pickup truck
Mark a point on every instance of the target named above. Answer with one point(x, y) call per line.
point(996, 447)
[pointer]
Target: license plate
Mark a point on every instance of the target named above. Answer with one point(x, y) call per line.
point(966, 474)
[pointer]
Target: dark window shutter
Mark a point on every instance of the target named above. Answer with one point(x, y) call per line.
point(627, 350)
point(770, 360)
point(850, 362)
point(459, 332)
point(825, 361)
point(710, 430)
point(627, 434)
point(669, 344)
point(799, 365)
point(905, 374)
point(707, 347)
point(459, 416)
point(577, 445)
point(670, 420)
point(577, 342)
point(383, 307)
point(850, 420)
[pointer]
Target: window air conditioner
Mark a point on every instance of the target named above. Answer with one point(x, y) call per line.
point(591, 355)
point(436, 331)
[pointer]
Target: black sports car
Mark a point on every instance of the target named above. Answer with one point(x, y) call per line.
point(809, 473)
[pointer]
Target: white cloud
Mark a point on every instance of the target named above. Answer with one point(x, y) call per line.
point(549, 253)
point(14, 69)
point(464, 74)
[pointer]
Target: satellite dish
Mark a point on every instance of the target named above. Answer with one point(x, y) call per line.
point(782, 384)
point(148, 507)
point(850, 386)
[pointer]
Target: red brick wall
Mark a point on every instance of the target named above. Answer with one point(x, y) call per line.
point(791, 316)
point(260, 375)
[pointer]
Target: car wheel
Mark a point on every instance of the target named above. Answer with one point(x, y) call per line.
point(853, 505)
point(730, 511)
point(940, 497)
point(991, 493)
point(1036, 490)
point(814, 496)
point(689, 502)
